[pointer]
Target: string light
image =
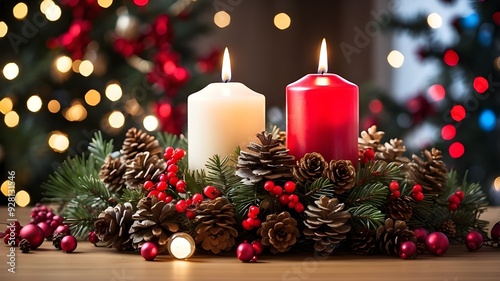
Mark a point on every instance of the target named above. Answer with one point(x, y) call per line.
point(54, 106)
point(222, 19)
point(116, 119)
point(480, 84)
point(11, 119)
point(58, 141)
point(448, 132)
point(395, 59)
point(22, 198)
point(20, 11)
point(282, 21)
point(458, 113)
point(86, 68)
point(487, 120)
point(10, 71)
point(113, 91)
point(105, 3)
point(34, 103)
point(150, 123)
point(451, 58)
point(6, 105)
point(434, 20)
point(64, 64)
point(92, 97)
point(456, 150)
point(3, 29)
point(53, 12)
point(437, 92)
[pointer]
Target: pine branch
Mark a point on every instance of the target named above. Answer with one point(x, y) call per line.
point(80, 216)
point(100, 148)
point(221, 174)
point(131, 196)
point(170, 140)
point(366, 216)
point(374, 194)
point(378, 171)
point(242, 196)
point(313, 191)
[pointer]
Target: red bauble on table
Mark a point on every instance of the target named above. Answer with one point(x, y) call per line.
point(257, 247)
point(495, 231)
point(474, 240)
point(149, 251)
point(437, 243)
point(245, 252)
point(34, 234)
point(68, 243)
point(62, 229)
point(47, 230)
point(420, 234)
point(408, 250)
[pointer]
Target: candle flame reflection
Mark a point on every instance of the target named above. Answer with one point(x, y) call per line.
point(226, 67)
point(323, 58)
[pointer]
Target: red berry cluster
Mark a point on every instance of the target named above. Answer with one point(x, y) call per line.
point(252, 220)
point(366, 155)
point(12, 234)
point(455, 200)
point(41, 213)
point(417, 194)
point(189, 205)
point(288, 198)
point(394, 188)
point(169, 177)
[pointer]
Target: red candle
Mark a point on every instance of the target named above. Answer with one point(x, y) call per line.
point(323, 115)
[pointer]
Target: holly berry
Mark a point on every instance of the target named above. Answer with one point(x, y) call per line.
point(368, 154)
point(162, 196)
point(181, 186)
point(197, 198)
point(290, 186)
point(277, 190)
point(148, 185)
point(169, 151)
point(211, 192)
point(460, 194)
point(453, 207)
point(246, 225)
point(168, 199)
point(393, 186)
point(173, 181)
point(173, 168)
point(299, 207)
point(256, 222)
point(284, 199)
point(161, 186)
point(179, 153)
point(291, 205)
point(190, 214)
point(181, 206)
point(269, 186)
point(454, 200)
point(416, 188)
point(154, 193)
point(170, 175)
point(163, 177)
point(254, 210)
point(396, 194)
point(418, 196)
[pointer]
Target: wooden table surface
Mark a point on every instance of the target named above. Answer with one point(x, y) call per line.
point(99, 263)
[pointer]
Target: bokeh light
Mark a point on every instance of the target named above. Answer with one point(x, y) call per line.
point(22, 198)
point(141, 2)
point(470, 21)
point(58, 141)
point(116, 119)
point(92, 97)
point(375, 106)
point(76, 112)
point(458, 113)
point(496, 18)
point(395, 59)
point(496, 183)
point(6, 105)
point(76, 66)
point(3, 29)
point(53, 12)
point(105, 3)
point(45, 5)
point(11, 119)
point(113, 91)
point(480, 84)
point(451, 58)
point(20, 11)
point(448, 132)
point(54, 106)
point(437, 92)
point(86, 68)
point(34, 103)
point(5, 188)
point(222, 19)
point(64, 64)
point(487, 120)
point(10, 71)
point(434, 20)
point(282, 21)
point(456, 150)
point(150, 123)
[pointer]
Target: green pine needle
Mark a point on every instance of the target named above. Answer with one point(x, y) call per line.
point(100, 148)
point(132, 196)
point(366, 216)
point(378, 171)
point(374, 193)
point(170, 140)
point(220, 174)
point(313, 191)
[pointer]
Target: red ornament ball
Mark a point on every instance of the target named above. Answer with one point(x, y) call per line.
point(257, 247)
point(495, 231)
point(47, 230)
point(62, 229)
point(408, 250)
point(93, 237)
point(34, 234)
point(245, 252)
point(149, 251)
point(68, 243)
point(420, 234)
point(437, 243)
point(474, 240)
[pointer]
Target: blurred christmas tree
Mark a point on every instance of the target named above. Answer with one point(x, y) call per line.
point(462, 103)
point(71, 67)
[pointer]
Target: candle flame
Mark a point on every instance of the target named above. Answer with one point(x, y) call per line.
point(226, 67)
point(323, 58)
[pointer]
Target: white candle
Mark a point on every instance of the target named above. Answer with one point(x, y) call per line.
point(221, 117)
point(181, 245)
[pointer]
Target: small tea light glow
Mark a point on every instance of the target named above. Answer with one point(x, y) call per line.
point(181, 245)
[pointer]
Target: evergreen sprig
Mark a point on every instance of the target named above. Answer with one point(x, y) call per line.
point(220, 174)
point(313, 191)
point(374, 194)
point(100, 148)
point(378, 171)
point(132, 196)
point(366, 216)
point(170, 140)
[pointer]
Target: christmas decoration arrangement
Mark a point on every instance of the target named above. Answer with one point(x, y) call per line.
point(258, 200)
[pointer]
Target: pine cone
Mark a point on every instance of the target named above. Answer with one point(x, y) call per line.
point(137, 141)
point(309, 168)
point(342, 174)
point(268, 159)
point(430, 172)
point(113, 224)
point(215, 219)
point(154, 221)
point(56, 240)
point(143, 167)
point(281, 137)
point(326, 224)
point(363, 242)
point(391, 235)
point(279, 232)
point(449, 228)
point(112, 172)
point(393, 151)
point(24, 246)
point(401, 208)
point(370, 139)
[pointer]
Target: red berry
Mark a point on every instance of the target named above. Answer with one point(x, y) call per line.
point(291, 205)
point(211, 192)
point(190, 214)
point(189, 201)
point(250, 221)
point(173, 168)
point(250, 215)
point(254, 210)
point(180, 186)
point(460, 194)
point(396, 194)
point(418, 196)
point(163, 177)
point(168, 199)
point(277, 190)
point(299, 207)
point(148, 185)
point(171, 175)
point(179, 153)
point(154, 193)
point(453, 207)
point(369, 154)
point(257, 247)
point(181, 206)
point(416, 188)
point(169, 151)
point(268, 186)
point(293, 198)
point(171, 162)
point(173, 181)
point(284, 199)
point(161, 186)
point(454, 200)
point(290, 186)
point(162, 196)
point(393, 186)
point(197, 198)
point(256, 222)
point(246, 225)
